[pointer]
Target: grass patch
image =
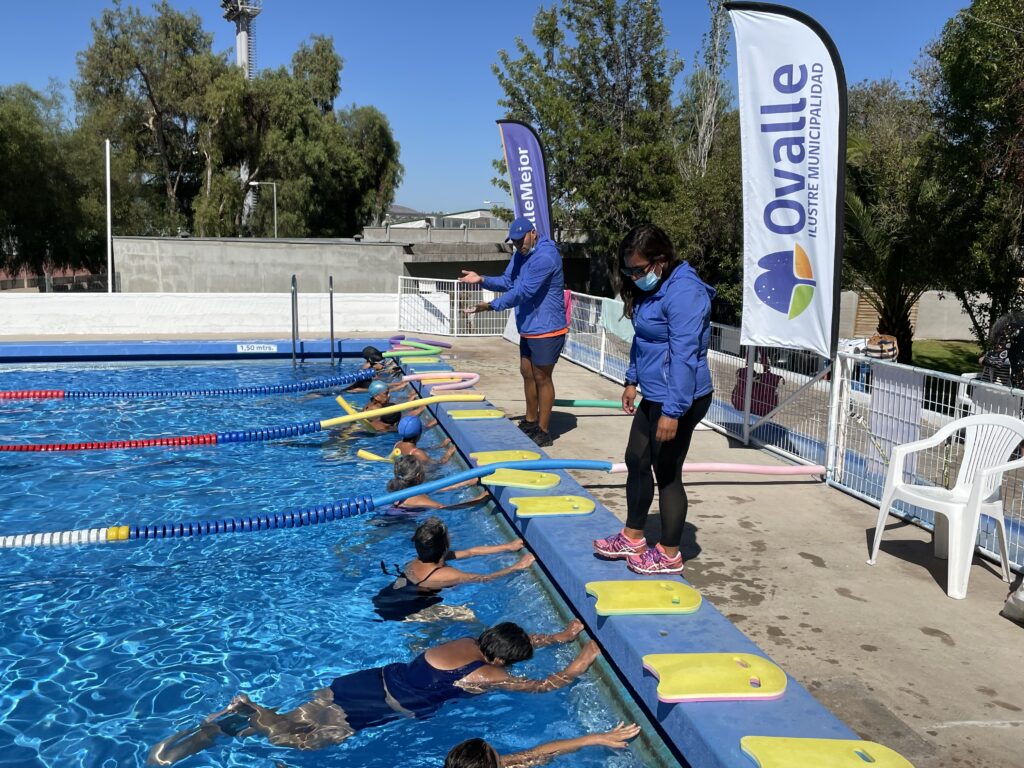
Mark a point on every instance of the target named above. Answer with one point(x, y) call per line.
point(947, 356)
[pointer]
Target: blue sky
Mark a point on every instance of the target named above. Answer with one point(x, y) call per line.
point(427, 65)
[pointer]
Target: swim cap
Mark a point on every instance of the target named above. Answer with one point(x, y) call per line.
point(410, 427)
point(372, 355)
point(376, 387)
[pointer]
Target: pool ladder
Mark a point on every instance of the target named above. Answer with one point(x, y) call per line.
point(295, 317)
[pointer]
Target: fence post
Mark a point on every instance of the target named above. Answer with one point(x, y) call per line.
point(604, 338)
point(838, 417)
point(747, 392)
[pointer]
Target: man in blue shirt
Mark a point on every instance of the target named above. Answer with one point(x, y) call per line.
point(533, 284)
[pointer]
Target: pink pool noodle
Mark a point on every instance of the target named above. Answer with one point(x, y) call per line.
point(746, 469)
point(468, 379)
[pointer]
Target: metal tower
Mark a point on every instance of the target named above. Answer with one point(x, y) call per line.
point(242, 13)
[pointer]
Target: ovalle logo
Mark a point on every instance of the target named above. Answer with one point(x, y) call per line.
point(787, 284)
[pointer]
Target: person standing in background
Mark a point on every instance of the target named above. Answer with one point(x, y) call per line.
point(670, 307)
point(532, 283)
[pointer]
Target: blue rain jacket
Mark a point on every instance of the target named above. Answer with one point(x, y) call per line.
point(533, 285)
point(669, 355)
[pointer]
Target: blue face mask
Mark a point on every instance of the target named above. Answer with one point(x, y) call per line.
point(648, 281)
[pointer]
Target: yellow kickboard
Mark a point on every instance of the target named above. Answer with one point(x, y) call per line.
point(552, 506)
point(784, 752)
point(620, 598)
point(417, 360)
point(477, 413)
point(521, 478)
point(483, 458)
point(714, 677)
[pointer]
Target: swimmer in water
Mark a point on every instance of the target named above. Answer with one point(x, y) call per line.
point(458, 669)
point(477, 753)
point(410, 429)
point(409, 472)
point(419, 583)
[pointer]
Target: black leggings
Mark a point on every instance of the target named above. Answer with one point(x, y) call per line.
point(644, 452)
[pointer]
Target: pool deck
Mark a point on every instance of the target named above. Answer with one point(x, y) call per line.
point(936, 679)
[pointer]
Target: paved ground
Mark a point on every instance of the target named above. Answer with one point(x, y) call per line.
point(939, 680)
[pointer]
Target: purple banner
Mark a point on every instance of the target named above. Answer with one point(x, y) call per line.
point(524, 158)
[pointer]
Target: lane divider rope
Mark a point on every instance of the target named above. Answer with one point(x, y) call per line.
point(296, 518)
point(326, 382)
point(238, 436)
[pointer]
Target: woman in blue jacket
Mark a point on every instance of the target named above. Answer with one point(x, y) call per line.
point(671, 312)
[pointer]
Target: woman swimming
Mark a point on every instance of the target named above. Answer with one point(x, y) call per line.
point(370, 697)
point(477, 753)
point(409, 472)
point(418, 585)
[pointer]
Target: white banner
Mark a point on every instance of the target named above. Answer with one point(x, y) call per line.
point(792, 101)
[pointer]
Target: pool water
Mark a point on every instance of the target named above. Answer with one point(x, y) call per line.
point(106, 649)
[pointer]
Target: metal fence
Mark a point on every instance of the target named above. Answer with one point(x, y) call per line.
point(849, 428)
point(439, 307)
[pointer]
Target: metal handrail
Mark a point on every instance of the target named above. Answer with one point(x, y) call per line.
point(295, 317)
point(330, 293)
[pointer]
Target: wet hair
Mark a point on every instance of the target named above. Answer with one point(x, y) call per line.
point(431, 540)
point(651, 243)
point(472, 753)
point(372, 355)
point(408, 472)
point(506, 641)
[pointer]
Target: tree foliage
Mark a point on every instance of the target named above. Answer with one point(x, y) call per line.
point(974, 79)
point(41, 222)
point(192, 133)
point(597, 85)
point(890, 256)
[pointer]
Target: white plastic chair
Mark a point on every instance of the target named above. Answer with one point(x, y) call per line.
point(989, 441)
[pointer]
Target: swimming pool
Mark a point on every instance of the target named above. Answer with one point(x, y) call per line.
point(106, 649)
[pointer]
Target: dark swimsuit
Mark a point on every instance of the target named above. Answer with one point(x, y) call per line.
point(404, 597)
point(416, 687)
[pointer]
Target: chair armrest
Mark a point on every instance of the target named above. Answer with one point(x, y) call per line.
point(919, 445)
point(1001, 468)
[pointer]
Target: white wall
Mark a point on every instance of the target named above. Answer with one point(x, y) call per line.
point(177, 314)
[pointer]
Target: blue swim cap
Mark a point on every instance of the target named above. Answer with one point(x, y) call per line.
point(410, 427)
point(377, 387)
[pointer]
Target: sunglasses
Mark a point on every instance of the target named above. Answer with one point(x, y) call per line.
point(636, 271)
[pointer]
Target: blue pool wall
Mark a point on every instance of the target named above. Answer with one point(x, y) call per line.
point(705, 734)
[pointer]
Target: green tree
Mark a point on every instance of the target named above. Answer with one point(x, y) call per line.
point(974, 79)
point(42, 226)
point(890, 256)
point(596, 83)
point(142, 83)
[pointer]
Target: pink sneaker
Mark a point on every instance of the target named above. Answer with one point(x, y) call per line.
point(655, 561)
point(618, 547)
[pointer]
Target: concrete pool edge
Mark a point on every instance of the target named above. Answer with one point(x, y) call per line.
point(704, 733)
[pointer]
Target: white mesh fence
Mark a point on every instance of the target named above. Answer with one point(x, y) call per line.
point(439, 307)
point(792, 411)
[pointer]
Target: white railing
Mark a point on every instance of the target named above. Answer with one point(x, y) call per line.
point(850, 429)
point(439, 307)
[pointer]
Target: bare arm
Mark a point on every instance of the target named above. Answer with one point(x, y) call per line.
point(542, 754)
point(571, 632)
point(489, 549)
point(452, 577)
point(496, 678)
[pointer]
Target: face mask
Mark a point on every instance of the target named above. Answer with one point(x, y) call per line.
point(648, 281)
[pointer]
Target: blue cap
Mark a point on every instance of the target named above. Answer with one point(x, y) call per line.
point(376, 387)
point(519, 229)
point(410, 427)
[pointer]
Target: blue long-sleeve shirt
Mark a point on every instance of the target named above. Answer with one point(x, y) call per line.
point(533, 285)
point(669, 354)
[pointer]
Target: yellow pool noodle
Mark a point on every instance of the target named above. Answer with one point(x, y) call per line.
point(399, 407)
